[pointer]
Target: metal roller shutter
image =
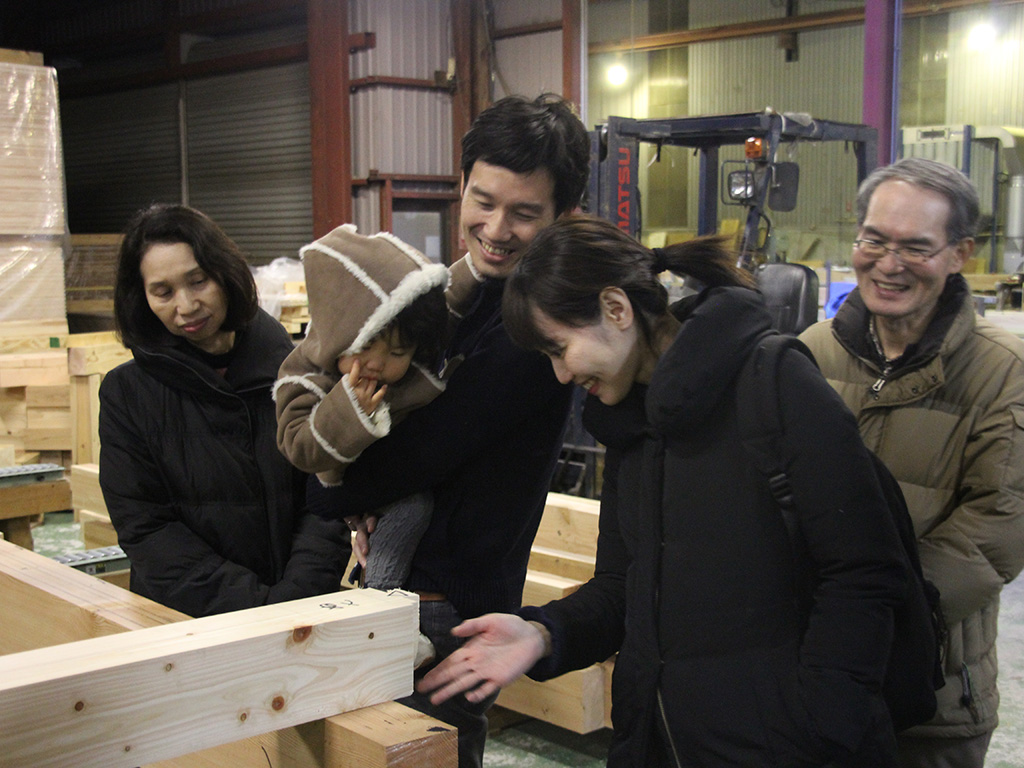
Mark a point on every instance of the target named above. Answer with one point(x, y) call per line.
point(248, 157)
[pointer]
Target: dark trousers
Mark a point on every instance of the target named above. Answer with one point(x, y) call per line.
point(436, 621)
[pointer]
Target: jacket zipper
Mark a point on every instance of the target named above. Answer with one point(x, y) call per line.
point(967, 698)
point(668, 731)
point(657, 608)
point(876, 388)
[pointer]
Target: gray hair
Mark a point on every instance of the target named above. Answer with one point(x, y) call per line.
point(937, 177)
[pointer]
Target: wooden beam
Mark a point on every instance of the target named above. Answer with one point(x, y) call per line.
point(569, 523)
point(388, 736)
point(28, 369)
point(156, 693)
point(97, 530)
point(17, 531)
point(87, 360)
point(54, 396)
point(85, 415)
point(558, 562)
point(85, 488)
point(32, 335)
point(44, 603)
point(575, 701)
point(94, 338)
point(34, 498)
point(541, 588)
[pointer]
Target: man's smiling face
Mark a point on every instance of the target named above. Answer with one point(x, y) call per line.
point(502, 211)
point(902, 214)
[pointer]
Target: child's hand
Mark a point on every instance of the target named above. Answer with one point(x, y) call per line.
point(366, 392)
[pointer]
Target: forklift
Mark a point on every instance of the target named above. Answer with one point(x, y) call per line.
point(758, 183)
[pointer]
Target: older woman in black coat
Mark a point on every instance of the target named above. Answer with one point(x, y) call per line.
point(211, 515)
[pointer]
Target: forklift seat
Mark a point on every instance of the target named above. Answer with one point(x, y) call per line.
point(791, 294)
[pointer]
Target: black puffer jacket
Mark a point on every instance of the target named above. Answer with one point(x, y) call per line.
point(210, 513)
point(695, 586)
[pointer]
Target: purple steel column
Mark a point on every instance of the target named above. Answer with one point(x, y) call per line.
point(881, 73)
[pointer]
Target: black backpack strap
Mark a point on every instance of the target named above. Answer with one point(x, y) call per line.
point(760, 418)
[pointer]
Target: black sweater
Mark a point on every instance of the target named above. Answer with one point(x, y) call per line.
point(486, 448)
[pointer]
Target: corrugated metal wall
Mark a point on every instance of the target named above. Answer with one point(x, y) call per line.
point(986, 83)
point(403, 130)
point(527, 65)
point(398, 129)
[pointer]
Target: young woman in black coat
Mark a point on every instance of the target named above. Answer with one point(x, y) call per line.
point(211, 515)
point(695, 586)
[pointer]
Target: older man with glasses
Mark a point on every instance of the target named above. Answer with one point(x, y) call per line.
point(939, 395)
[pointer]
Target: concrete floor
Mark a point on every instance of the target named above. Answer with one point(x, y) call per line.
point(518, 743)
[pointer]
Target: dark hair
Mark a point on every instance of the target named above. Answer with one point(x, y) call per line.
point(523, 135)
point(215, 252)
point(424, 323)
point(569, 263)
point(937, 177)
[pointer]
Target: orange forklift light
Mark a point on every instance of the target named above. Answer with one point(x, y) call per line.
point(754, 148)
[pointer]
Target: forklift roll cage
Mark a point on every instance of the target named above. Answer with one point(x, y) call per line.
point(614, 146)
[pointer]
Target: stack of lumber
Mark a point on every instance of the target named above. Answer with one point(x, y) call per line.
point(33, 323)
point(35, 410)
point(90, 273)
point(561, 559)
point(32, 216)
point(49, 400)
point(294, 305)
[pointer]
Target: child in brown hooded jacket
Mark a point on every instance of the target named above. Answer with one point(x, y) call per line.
point(379, 318)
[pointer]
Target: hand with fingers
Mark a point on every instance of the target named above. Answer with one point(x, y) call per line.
point(367, 394)
point(501, 647)
point(363, 526)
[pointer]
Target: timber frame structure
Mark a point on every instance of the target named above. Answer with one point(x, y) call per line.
point(117, 697)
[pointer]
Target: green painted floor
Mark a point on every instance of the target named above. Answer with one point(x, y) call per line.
point(518, 743)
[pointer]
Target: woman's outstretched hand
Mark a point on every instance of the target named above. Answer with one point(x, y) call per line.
point(501, 647)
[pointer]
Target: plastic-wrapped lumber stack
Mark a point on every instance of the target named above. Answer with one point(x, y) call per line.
point(33, 232)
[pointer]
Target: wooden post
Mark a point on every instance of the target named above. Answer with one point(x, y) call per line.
point(85, 412)
point(330, 113)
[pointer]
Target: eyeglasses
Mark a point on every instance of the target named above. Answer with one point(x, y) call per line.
point(908, 254)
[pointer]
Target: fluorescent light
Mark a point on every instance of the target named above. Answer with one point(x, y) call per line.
point(617, 74)
point(981, 37)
